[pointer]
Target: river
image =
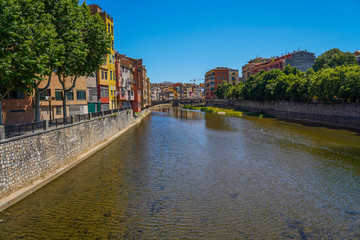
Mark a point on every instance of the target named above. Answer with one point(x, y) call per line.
point(183, 174)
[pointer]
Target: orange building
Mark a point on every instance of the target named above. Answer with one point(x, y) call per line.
point(51, 104)
point(17, 108)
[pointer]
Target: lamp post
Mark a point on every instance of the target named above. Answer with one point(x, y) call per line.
point(49, 99)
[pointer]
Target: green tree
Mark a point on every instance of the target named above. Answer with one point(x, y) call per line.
point(334, 58)
point(82, 40)
point(25, 39)
point(222, 89)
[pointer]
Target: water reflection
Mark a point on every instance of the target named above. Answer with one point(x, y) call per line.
point(177, 112)
point(190, 175)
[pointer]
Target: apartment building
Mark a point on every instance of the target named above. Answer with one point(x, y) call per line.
point(106, 79)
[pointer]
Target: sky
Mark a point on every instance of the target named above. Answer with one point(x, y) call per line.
point(181, 40)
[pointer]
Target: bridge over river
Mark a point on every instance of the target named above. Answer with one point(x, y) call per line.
point(184, 174)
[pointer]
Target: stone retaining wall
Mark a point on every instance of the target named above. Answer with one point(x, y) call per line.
point(27, 159)
point(346, 115)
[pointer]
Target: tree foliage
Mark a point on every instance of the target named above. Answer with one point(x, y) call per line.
point(222, 89)
point(26, 39)
point(341, 83)
point(334, 58)
point(82, 40)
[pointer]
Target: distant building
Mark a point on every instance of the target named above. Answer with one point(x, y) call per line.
point(216, 76)
point(357, 55)
point(246, 69)
point(302, 60)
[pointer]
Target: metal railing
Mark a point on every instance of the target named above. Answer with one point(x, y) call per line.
point(34, 127)
point(19, 129)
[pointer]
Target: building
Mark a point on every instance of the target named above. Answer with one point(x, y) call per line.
point(357, 55)
point(106, 79)
point(94, 105)
point(17, 107)
point(216, 76)
point(233, 76)
point(51, 100)
point(124, 81)
point(302, 60)
point(246, 69)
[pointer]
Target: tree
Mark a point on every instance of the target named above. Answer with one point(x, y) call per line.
point(82, 40)
point(334, 58)
point(222, 89)
point(25, 39)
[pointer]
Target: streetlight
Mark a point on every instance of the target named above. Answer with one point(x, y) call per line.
point(49, 99)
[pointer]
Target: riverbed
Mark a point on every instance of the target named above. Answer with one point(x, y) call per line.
point(185, 174)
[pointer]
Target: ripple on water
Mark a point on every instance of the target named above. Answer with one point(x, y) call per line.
point(202, 176)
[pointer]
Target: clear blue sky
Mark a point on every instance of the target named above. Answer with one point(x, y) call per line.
point(181, 40)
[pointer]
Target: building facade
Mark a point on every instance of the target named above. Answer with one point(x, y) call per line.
point(357, 55)
point(106, 79)
point(302, 60)
point(246, 69)
point(216, 76)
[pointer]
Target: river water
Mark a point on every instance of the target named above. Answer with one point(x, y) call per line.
point(188, 175)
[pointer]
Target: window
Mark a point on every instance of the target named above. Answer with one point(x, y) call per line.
point(104, 91)
point(222, 77)
point(109, 29)
point(114, 76)
point(102, 75)
point(70, 95)
point(112, 30)
point(218, 78)
point(105, 73)
point(111, 75)
point(80, 94)
point(45, 94)
point(110, 58)
point(58, 95)
point(113, 45)
point(58, 110)
point(16, 95)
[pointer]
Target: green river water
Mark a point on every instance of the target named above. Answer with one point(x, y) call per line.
point(189, 175)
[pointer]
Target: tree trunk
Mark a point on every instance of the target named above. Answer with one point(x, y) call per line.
point(37, 105)
point(37, 98)
point(62, 82)
point(1, 114)
point(64, 105)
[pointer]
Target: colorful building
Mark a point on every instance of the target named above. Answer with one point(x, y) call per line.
point(246, 69)
point(216, 76)
point(106, 79)
point(302, 60)
point(124, 81)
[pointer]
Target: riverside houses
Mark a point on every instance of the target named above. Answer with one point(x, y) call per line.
point(106, 79)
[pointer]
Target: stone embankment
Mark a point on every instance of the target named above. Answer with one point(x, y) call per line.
point(344, 115)
point(28, 163)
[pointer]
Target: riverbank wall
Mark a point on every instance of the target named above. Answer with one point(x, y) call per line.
point(27, 163)
point(344, 115)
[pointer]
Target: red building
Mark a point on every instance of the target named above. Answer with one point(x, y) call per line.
point(277, 63)
point(216, 76)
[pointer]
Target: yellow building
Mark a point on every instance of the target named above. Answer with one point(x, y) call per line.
point(106, 78)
